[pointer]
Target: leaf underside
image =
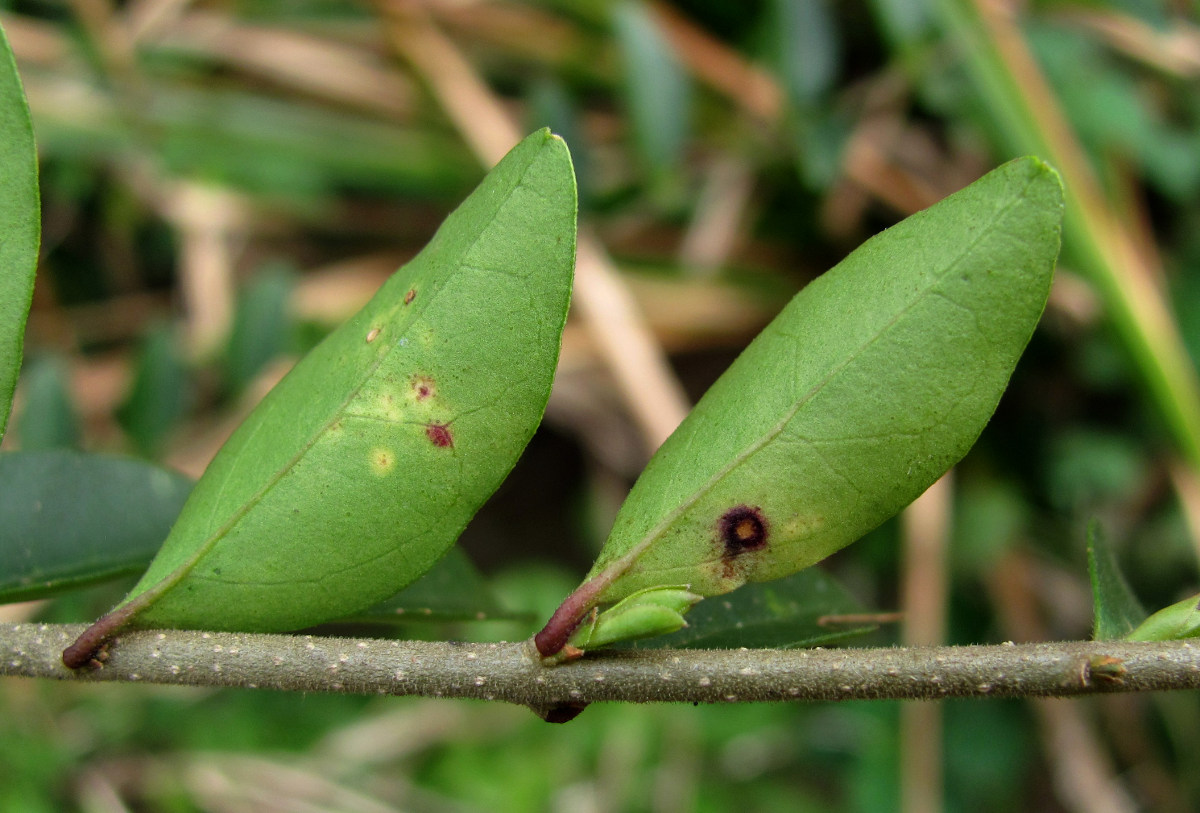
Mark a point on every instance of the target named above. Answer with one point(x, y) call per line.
point(361, 468)
point(874, 380)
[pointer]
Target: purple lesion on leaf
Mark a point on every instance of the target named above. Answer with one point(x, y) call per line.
point(423, 387)
point(743, 528)
point(439, 435)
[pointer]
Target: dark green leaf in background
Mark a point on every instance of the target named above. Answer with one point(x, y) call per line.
point(796, 611)
point(804, 45)
point(656, 87)
point(1116, 609)
point(47, 418)
point(69, 519)
point(452, 590)
point(262, 326)
point(20, 224)
point(158, 398)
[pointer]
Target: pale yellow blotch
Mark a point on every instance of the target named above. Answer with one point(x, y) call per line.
point(372, 335)
point(799, 526)
point(389, 407)
point(382, 460)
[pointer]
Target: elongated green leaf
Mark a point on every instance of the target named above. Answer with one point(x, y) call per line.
point(363, 465)
point(20, 224)
point(69, 519)
point(47, 418)
point(873, 381)
point(1115, 608)
point(656, 87)
point(799, 610)
point(262, 326)
point(158, 399)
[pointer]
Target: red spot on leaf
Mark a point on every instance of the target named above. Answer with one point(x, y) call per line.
point(439, 435)
point(423, 387)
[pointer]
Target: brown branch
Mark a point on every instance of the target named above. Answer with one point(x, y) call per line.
point(513, 672)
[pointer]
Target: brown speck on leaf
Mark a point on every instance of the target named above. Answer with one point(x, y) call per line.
point(439, 435)
point(410, 296)
point(742, 528)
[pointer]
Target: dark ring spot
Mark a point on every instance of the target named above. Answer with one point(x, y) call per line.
point(743, 529)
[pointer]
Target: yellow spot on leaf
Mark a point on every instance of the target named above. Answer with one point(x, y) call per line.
point(382, 460)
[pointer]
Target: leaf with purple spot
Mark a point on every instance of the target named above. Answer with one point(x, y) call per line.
point(362, 467)
point(870, 384)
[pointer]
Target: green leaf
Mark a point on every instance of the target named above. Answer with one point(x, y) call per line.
point(656, 87)
point(452, 590)
point(799, 610)
point(70, 519)
point(20, 224)
point(1116, 609)
point(1180, 620)
point(47, 419)
point(804, 44)
point(160, 393)
point(361, 468)
point(873, 381)
point(262, 325)
point(645, 614)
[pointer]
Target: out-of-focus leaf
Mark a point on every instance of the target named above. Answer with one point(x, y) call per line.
point(1087, 467)
point(988, 518)
point(874, 380)
point(797, 611)
point(904, 22)
point(267, 146)
point(452, 590)
point(69, 519)
point(262, 325)
point(47, 419)
point(20, 224)
point(362, 466)
point(1115, 608)
point(1181, 620)
point(804, 44)
point(657, 89)
point(159, 396)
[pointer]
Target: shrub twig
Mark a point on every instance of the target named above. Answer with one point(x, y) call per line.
point(512, 671)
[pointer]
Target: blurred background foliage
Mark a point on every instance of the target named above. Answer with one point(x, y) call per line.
point(223, 182)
